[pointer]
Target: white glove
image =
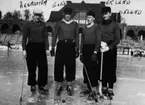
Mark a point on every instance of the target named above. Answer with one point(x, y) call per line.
point(47, 52)
point(103, 44)
point(104, 49)
point(24, 54)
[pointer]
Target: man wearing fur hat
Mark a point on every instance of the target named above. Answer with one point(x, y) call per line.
point(66, 31)
point(35, 47)
point(110, 37)
point(90, 45)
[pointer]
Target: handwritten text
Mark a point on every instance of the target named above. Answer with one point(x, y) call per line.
point(56, 4)
point(128, 11)
point(117, 2)
point(124, 2)
point(32, 3)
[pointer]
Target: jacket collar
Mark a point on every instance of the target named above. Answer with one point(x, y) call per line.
point(67, 22)
point(90, 25)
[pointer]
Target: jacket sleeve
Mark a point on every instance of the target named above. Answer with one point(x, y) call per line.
point(26, 32)
point(77, 36)
point(55, 34)
point(116, 36)
point(81, 41)
point(46, 38)
point(98, 38)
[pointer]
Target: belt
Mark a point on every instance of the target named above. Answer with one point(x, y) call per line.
point(67, 40)
point(109, 42)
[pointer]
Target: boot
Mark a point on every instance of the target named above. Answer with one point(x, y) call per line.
point(110, 94)
point(84, 92)
point(70, 90)
point(92, 97)
point(43, 90)
point(59, 90)
point(105, 91)
point(33, 89)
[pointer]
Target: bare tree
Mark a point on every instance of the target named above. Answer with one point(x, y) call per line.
point(27, 14)
point(0, 15)
point(16, 14)
point(8, 16)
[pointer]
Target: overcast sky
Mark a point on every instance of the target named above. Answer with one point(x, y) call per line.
point(136, 6)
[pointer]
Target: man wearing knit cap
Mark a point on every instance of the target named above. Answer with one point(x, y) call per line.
point(37, 11)
point(66, 31)
point(90, 45)
point(35, 47)
point(110, 38)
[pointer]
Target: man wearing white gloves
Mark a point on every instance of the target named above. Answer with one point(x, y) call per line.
point(110, 37)
point(104, 47)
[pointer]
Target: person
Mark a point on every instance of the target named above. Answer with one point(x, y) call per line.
point(110, 33)
point(66, 52)
point(131, 52)
point(35, 49)
point(9, 45)
point(90, 45)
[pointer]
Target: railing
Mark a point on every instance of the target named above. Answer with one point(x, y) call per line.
point(10, 38)
point(123, 50)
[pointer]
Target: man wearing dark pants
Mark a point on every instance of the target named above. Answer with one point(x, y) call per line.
point(110, 33)
point(90, 45)
point(65, 55)
point(35, 47)
point(67, 33)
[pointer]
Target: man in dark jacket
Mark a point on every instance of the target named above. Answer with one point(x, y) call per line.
point(110, 33)
point(90, 45)
point(67, 33)
point(35, 47)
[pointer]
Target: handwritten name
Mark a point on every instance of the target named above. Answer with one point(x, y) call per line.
point(33, 3)
point(131, 12)
point(124, 2)
point(118, 2)
point(56, 4)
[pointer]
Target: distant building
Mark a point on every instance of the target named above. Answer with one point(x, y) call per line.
point(80, 10)
point(137, 32)
point(79, 14)
point(10, 26)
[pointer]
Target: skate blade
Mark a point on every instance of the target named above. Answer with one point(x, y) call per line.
point(57, 100)
point(91, 102)
point(32, 100)
point(110, 98)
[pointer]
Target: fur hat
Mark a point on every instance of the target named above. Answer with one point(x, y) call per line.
point(90, 13)
point(68, 10)
point(105, 9)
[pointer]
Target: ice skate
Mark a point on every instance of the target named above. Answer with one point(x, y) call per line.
point(70, 90)
point(110, 94)
point(43, 90)
point(33, 89)
point(92, 97)
point(104, 91)
point(84, 92)
point(58, 91)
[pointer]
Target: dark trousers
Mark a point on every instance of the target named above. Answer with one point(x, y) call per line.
point(65, 57)
point(109, 67)
point(90, 66)
point(36, 57)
